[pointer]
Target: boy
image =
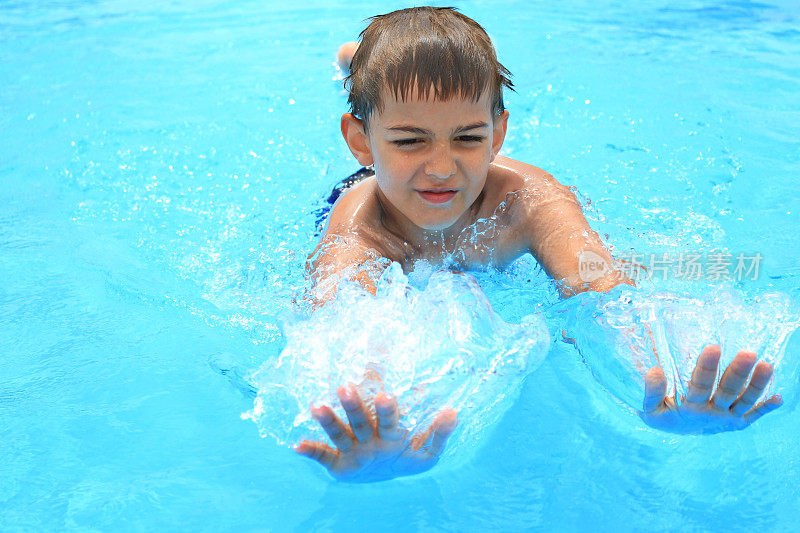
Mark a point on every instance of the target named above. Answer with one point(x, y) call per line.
point(427, 115)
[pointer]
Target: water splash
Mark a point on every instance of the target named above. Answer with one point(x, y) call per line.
point(627, 331)
point(434, 342)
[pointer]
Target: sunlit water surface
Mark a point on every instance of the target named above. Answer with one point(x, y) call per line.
point(160, 165)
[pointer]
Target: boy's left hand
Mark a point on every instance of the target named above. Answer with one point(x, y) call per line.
point(730, 407)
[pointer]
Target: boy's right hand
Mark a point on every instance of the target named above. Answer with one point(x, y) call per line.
point(375, 448)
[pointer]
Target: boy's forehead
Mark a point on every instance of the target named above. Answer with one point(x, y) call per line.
point(428, 107)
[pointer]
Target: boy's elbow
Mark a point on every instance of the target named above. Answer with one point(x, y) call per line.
point(609, 281)
point(570, 287)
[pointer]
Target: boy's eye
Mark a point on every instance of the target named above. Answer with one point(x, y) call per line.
point(405, 142)
point(461, 138)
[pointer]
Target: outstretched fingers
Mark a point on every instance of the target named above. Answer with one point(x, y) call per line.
point(655, 389)
point(758, 383)
point(763, 408)
point(704, 375)
point(388, 417)
point(357, 413)
point(433, 441)
point(337, 430)
point(733, 379)
point(318, 451)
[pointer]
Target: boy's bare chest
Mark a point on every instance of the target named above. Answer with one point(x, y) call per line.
point(494, 241)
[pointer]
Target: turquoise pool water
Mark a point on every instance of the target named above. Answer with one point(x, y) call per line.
point(159, 168)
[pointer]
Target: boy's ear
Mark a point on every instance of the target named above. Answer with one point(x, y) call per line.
point(356, 139)
point(500, 124)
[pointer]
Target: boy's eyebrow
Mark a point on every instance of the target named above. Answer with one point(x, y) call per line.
point(475, 126)
point(422, 131)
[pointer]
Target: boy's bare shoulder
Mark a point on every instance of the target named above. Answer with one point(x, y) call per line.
point(355, 207)
point(512, 176)
point(356, 218)
point(525, 194)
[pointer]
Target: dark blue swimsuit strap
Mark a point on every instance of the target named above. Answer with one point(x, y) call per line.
point(340, 188)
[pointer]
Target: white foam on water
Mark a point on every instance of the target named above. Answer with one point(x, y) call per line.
point(435, 343)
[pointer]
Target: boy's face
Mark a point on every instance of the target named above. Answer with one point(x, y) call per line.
point(431, 157)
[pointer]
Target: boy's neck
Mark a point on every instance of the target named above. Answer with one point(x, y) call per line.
point(424, 241)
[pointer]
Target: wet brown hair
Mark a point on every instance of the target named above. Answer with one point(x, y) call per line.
point(424, 49)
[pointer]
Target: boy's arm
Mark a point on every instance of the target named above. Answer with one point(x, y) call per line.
point(370, 445)
point(337, 258)
point(556, 232)
point(351, 246)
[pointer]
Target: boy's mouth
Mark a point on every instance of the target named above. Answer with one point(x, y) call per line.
point(437, 196)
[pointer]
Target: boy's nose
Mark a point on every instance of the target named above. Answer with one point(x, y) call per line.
point(441, 164)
